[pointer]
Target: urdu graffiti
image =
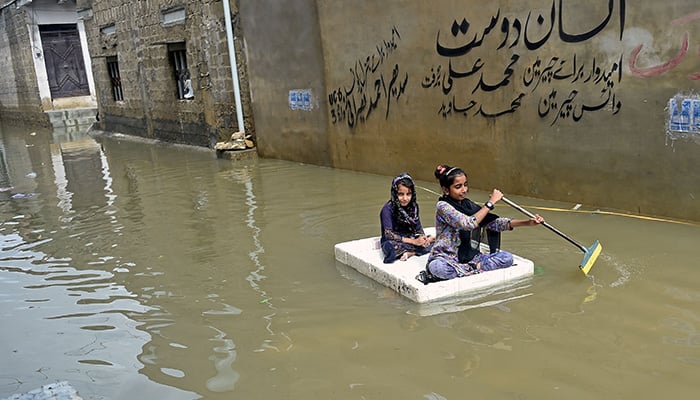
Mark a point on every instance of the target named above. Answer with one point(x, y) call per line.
point(568, 85)
point(370, 87)
point(567, 71)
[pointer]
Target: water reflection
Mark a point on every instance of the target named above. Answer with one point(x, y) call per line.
point(79, 167)
point(256, 275)
point(227, 377)
point(488, 297)
point(68, 316)
point(65, 290)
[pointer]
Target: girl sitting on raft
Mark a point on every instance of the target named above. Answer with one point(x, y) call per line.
point(402, 232)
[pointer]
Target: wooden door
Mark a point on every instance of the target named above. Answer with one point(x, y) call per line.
point(64, 60)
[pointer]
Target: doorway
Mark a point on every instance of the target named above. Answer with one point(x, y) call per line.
point(64, 60)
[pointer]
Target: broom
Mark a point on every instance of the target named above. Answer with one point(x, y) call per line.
point(590, 254)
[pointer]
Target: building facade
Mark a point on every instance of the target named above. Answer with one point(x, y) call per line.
point(46, 70)
point(163, 69)
point(592, 103)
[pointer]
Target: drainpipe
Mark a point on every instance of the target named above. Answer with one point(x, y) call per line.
point(234, 66)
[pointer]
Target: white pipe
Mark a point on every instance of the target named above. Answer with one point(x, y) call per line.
point(234, 66)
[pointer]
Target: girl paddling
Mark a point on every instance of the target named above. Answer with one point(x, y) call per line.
point(456, 213)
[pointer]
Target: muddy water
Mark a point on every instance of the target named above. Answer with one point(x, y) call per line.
point(142, 271)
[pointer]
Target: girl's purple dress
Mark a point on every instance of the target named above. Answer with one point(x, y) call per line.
point(392, 233)
point(443, 261)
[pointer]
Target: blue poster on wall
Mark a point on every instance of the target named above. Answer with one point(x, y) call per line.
point(292, 99)
point(306, 101)
point(695, 122)
point(300, 99)
point(680, 116)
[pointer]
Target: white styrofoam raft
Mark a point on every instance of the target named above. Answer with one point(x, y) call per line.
point(365, 256)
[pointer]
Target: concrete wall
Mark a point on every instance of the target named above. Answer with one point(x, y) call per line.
point(20, 101)
point(561, 100)
point(285, 56)
point(138, 35)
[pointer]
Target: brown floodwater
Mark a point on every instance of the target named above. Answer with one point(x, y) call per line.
point(137, 270)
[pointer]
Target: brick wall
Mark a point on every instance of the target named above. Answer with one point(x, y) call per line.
point(19, 94)
point(136, 34)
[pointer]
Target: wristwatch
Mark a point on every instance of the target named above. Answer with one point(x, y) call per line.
point(489, 205)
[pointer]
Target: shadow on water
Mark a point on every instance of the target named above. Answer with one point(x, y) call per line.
point(140, 270)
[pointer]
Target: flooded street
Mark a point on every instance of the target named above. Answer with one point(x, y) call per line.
point(146, 271)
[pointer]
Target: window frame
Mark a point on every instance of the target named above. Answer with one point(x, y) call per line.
point(115, 78)
point(177, 53)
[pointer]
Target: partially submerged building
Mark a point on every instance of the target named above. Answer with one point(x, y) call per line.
point(46, 76)
point(570, 101)
point(165, 70)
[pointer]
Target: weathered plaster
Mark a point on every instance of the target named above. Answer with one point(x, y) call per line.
point(596, 136)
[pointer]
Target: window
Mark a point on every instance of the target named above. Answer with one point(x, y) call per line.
point(173, 16)
point(115, 78)
point(178, 59)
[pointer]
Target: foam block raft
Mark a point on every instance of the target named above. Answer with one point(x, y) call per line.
point(365, 256)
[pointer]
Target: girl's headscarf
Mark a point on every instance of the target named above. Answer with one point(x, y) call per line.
point(406, 216)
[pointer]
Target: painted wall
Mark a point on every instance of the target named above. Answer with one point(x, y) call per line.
point(285, 59)
point(556, 99)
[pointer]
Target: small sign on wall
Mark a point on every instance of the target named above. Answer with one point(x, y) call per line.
point(300, 99)
point(684, 115)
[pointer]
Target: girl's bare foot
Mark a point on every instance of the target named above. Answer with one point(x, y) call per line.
point(406, 255)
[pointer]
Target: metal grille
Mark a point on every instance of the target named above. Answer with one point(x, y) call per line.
point(178, 57)
point(115, 78)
